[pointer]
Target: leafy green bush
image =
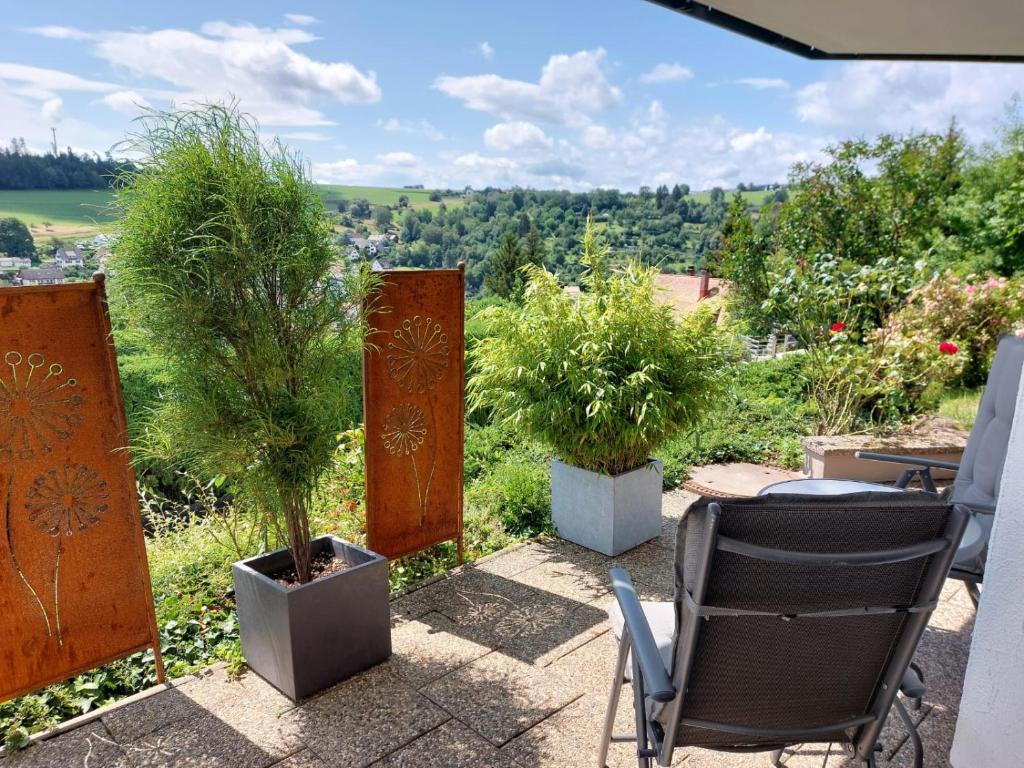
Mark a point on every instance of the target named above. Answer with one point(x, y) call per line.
point(603, 379)
point(969, 312)
point(760, 418)
point(516, 492)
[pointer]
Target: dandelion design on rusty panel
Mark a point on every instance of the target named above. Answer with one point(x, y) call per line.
point(418, 355)
point(404, 429)
point(68, 500)
point(63, 503)
point(403, 433)
point(38, 405)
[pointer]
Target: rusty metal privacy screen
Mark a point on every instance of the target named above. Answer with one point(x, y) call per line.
point(74, 583)
point(413, 405)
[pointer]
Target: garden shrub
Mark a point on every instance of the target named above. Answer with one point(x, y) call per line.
point(969, 312)
point(516, 492)
point(603, 379)
point(255, 330)
point(760, 419)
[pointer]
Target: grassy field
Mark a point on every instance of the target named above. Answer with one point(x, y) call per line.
point(75, 207)
point(757, 198)
point(418, 198)
point(69, 214)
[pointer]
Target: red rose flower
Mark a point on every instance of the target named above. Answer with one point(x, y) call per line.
point(948, 348)
point(837, 327)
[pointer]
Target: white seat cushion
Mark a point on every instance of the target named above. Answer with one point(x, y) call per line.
point(662, 619)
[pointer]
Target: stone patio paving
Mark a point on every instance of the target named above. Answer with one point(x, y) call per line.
point(505, 663)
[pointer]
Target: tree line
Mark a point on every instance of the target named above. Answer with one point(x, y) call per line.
point(668, 227)
point(21, 169)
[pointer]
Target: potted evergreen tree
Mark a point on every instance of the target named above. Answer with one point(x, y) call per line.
point(223, 260)
point(603, 380)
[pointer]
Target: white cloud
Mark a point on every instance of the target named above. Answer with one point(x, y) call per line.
point(399, 159)
point(764, 83)
point(902, 96)
point(486, 50)
point(256, 65)
point(571, 86)
point(128, 103)
point(745, 141)
point(60, 33)
point(301, 19)
point(667, 73)
point(52, 110)
point(423, 127)
point(306, 136)
point(516, 135)
point(339, 171)
point(23, 116)
point(253, 34)
point(41, 83)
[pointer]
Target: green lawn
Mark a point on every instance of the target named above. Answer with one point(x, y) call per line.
point(757, 198)
point(65, 208)
point(379, 195)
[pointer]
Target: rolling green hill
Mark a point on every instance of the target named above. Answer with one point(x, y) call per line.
point(65, 208)
point(756, 198)
point(418, 198)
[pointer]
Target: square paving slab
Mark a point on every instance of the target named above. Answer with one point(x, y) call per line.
point(505, 663)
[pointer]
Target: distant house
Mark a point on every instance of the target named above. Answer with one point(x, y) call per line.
point(378, 244)
point(684, 293)
point(381, 264)
point(14, 263)
point(42, 276)
point(67, 258)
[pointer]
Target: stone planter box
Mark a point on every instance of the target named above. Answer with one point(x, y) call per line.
point(608, 514)
point(308, 638)
point(833, 457)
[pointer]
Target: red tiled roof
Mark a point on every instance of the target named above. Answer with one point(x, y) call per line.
point(682, 292)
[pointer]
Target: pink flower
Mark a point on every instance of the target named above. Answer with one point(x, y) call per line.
point(948, 348)
point(838, 327)
point(1019, 332)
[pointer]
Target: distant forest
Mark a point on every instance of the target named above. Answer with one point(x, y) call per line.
point(667, 227)
point(20, 169)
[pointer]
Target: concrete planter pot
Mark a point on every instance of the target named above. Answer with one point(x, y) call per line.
point(605, 513)
point(308, 638)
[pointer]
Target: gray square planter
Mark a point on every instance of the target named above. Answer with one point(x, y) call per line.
point(606, 513)
point(306, 639)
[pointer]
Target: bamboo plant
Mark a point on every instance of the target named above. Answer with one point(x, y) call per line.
point(604, 378)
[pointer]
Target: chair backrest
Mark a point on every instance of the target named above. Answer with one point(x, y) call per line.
point(798, 615)
point(981, 467)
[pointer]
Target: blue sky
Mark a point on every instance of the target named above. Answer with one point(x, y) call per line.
point(568, 93)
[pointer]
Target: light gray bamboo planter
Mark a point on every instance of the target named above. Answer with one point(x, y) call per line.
point(605, 513)
point(306, 639)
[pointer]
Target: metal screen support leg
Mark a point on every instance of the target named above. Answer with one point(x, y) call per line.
point(158, 660)
point(613, 700)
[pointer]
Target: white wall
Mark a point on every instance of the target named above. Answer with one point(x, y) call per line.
point(990, 727)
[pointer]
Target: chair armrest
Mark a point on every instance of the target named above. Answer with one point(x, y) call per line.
point(915, 461)
point(645, 649)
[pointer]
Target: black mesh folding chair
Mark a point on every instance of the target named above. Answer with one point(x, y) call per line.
point(795, 621)
point(979, 472)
